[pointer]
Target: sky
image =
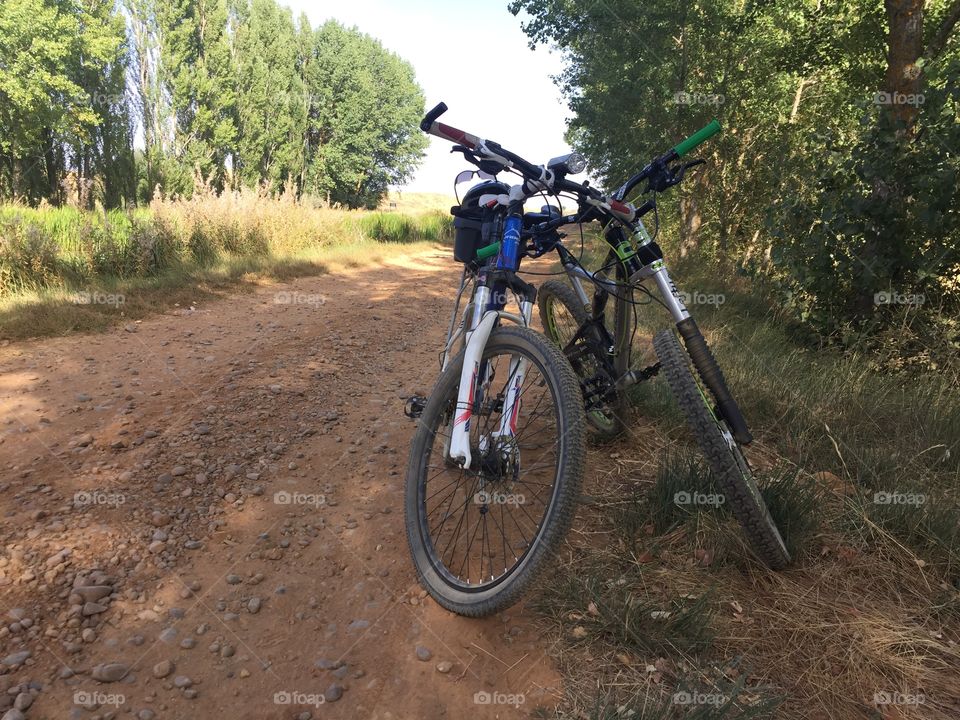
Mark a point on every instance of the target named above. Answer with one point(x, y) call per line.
point(473, 56)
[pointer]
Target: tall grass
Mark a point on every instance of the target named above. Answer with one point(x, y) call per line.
point(66, 248)
point(52, 260)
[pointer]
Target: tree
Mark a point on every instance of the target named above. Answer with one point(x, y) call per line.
point(198, 78)
point(362, 131)
point(271, 99)
point(224, 95)
point(62, 105)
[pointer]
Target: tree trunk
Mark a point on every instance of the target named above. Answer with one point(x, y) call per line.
point(905, 46)
point(903, 81)
point(53, 169)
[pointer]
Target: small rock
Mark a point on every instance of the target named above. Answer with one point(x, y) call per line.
point(444, 667)
point(178, 470)
point(93, 593)
point(423, 654)
point(182, 681)
point(110, 672)
point(333, 693)
point(162, 669)
point(17, 658)
point(253, 605)
point(92, 608)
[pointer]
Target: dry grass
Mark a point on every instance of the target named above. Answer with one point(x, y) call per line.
point(841, 629)
point(868, 612)
point(414, 202)
point(63, 270)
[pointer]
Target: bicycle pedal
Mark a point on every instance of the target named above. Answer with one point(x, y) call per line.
point(414, 406)
point(632, 377)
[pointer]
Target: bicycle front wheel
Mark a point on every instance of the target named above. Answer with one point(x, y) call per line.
point(480, 535)
point(722, 452)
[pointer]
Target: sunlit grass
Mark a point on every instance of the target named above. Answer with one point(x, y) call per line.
point(61, 267)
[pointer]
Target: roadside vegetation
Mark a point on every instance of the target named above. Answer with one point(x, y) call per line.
point(819, 246)
point(64, 269)
point(658, 609)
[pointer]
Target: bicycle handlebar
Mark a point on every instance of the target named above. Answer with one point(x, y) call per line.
point(699, 137)
point(431, 116)
point(535, 174)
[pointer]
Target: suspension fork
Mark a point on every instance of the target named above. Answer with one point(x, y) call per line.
point(488, 301)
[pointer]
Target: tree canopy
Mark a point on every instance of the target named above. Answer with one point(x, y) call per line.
point(836, 177)
point(215, 94)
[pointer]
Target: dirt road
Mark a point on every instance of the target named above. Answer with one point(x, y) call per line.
point(203, 516)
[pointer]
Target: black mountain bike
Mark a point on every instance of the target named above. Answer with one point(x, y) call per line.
point(497, 459)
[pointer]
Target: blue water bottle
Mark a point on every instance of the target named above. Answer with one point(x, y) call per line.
point(510, 246)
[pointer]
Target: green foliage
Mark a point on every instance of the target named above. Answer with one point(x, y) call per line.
point(62, 104)
point(879, 222)
point(810, 189)
point(272, 101)
point(350, 79)
point(227, 94)
point(395, 227)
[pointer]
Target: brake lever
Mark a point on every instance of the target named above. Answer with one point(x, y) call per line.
point(677, 177)
point(468, 154)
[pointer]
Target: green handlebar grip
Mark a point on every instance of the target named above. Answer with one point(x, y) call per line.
point(488, 251)
point(698, 137)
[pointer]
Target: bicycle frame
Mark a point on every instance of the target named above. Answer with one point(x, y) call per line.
point(636, 264)
point(634, 272)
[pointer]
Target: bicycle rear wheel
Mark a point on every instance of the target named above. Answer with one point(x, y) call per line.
point(562, 315)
